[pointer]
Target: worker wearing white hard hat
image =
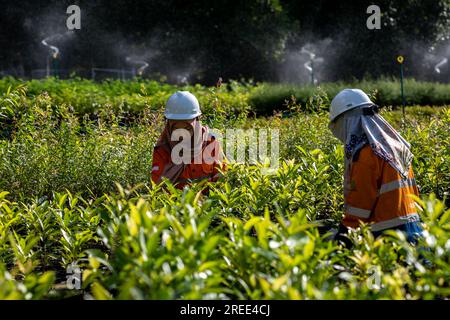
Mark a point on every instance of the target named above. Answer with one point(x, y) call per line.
point(186, 151)
point(182, 105)
point(378, 177)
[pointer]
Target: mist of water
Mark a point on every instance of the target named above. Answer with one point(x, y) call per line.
point(312, 63)
point(142, 65)
point(440, 64)
point(310, 60)
point(306, 64)
point(54, 49)
point(54, 38)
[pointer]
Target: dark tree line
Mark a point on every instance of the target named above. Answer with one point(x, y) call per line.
point(201, 40)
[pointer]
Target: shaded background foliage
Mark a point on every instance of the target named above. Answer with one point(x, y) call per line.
point(202, 40)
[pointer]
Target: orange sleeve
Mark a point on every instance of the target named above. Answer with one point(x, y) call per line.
point(363, 189)
point(160, 158)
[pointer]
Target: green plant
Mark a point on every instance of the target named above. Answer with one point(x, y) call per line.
point(76, 190)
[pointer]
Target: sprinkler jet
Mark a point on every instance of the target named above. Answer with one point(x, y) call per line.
point(440, 64)
point(143, 65)
point(54, 51)
point(309, 65)
point(182, 78)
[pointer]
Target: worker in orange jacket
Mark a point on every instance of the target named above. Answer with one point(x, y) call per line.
point(186, 151)
point(378, 178)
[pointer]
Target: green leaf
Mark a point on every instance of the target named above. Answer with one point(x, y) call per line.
point(99, 292)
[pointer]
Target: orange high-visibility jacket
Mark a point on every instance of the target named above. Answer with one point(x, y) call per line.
point(193, 171)
point(378, 194)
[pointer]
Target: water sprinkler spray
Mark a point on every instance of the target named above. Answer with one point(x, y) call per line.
point(440, 64)
point(400, 60)
point(182, 79)
point(143, 65)
point(309, 65)
point(54, 51)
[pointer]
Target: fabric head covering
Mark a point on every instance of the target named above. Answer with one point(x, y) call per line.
point(356, 129)
point(196, 144)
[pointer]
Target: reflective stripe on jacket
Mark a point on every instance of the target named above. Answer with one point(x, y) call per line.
point(378, 194)
point(193, 172)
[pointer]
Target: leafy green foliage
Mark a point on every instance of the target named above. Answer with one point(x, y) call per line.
point(386, 92)
point(68, 199)
point(232, 101)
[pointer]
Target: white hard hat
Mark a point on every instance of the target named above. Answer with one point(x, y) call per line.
point(182, 105)
point(346, 100)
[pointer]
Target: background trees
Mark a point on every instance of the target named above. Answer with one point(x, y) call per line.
point(202, 40)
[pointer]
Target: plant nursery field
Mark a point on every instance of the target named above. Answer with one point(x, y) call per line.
point(76, 197)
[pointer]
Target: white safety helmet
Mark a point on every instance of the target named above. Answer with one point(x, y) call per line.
point(346, 100)
point(182, 105)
